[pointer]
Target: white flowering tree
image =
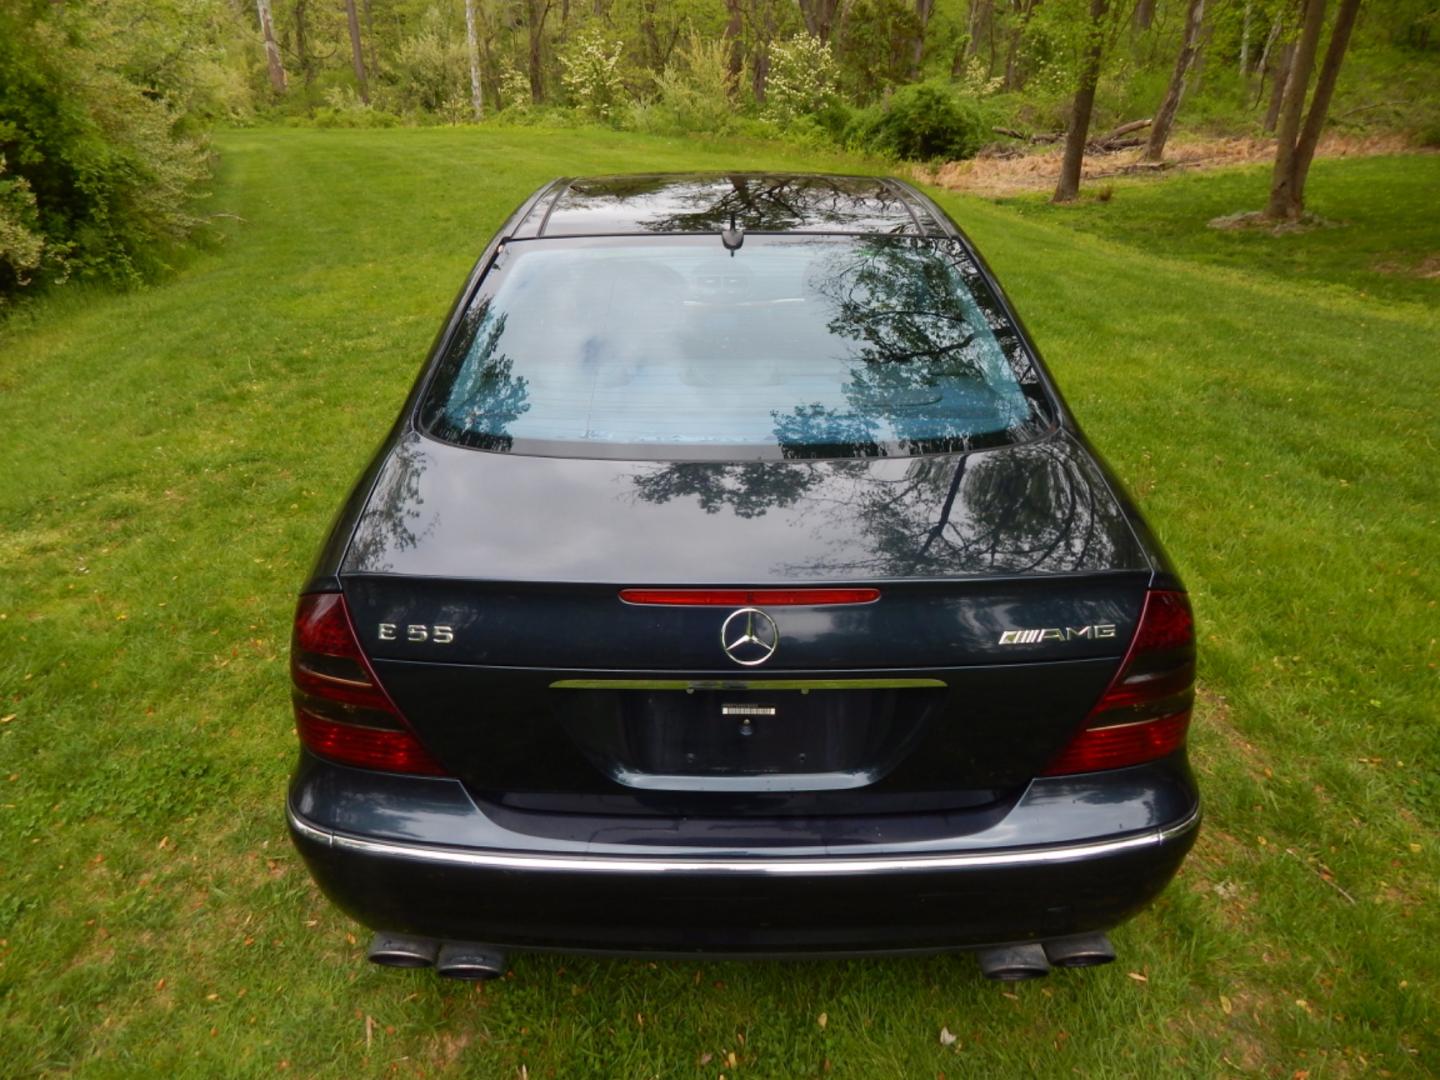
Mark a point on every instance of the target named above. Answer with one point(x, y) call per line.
point(802, 77)
point(592, 74)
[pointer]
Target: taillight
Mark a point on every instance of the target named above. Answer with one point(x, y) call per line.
point(1145, 711)
point(341, 710)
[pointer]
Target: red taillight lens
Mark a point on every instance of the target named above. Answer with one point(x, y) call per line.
point(341, 710)
point(1145, 711)
point(742, 597)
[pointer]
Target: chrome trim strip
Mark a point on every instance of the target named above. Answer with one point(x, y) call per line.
point(767, 783)
point(838, 865)
point(744, 684)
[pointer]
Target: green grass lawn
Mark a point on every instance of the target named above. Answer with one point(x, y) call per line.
point(170, 460)
point(1380, 233)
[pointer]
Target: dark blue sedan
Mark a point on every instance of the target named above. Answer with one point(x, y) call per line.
point(735, 580)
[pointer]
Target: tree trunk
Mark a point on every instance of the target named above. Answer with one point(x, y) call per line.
point(1281, 77)
point(982, 14)
point(1144, 15)
point(1170, 104)
point(272, 51)
point(302, 44)
point(1197, 69)
point(1014, 80)
point(651, 37)
point(1245, 41)
point(733, 26)
point(535, 14)
point(1012, 51)
point(472, 48)
point(370, 36)
point(1260, 65)
point(990, 47)
point(1079, 129)
point(1282, 180)
point(764, 34)
point(820, 17)
point(923, 10)
point(1320, 102)
point(357, 50)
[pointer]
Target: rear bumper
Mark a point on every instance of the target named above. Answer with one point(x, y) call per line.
point(985, 887)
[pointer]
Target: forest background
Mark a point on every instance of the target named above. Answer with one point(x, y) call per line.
point(106, 105)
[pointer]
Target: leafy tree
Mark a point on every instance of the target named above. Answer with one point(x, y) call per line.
point(694, 91)
point(536, 12)
point(876, 47)
point(472, 56)
point(1170, 104)
point(357, 51)
point(802, 77)
point(1296, 142)
point(1093, 35)
point(278, 81)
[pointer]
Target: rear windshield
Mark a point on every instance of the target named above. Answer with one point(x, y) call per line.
point(674, 348)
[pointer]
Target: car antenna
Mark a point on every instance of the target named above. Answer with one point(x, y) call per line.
point(732, 237)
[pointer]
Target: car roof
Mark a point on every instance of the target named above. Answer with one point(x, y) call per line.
point(656, 203)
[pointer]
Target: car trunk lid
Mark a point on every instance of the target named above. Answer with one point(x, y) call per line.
point(486, 590)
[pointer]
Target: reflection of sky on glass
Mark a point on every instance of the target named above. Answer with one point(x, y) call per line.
point(808, 342)
point(679, 204)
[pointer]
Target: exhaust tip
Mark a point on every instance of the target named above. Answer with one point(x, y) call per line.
point(1080, 951)
point(469, 961)
point(402, 950)
point(1013, 963)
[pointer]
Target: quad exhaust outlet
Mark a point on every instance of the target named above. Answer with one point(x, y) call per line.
point(451, 959)
point(1013, 963)
point(402, 950)
point(1033, 960)
point(1080, 950)
point(475, 962)
point(470, 962)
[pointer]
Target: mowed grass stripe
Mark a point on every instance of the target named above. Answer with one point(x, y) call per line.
point(173, 455)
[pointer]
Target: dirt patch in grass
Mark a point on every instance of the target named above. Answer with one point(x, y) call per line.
point(1428, 267)
point(1000, 170)
point(1213, 874)
point(1258, 220)
point(1213, 711)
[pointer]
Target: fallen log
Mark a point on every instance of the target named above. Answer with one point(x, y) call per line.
point(1112, 146)
point(1011, 133)
point(1123, 130)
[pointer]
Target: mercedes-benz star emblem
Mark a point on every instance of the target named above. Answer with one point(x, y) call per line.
point(749, 636)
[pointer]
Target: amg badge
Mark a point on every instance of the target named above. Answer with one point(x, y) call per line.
point(1094, 632)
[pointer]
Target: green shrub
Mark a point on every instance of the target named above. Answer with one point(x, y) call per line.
point(1427, 135)
point(548, 117)
point(693, 93)
point(344, 109)
point(922, 122)
point(101, 167)
point(834, 119)
point(21, 245)
point(429, 73)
